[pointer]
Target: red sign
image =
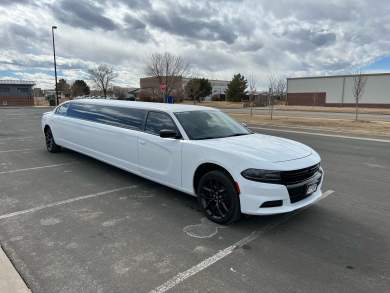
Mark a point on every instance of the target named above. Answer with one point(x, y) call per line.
point(163, 87)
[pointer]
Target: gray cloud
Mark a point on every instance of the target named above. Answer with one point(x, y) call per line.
point(26, 38)
point(310, 37)
point(83, 14)
point(314, 10)
point(135, 29)
point(12, 2)
point(136, 4)
point(218, 37)
point(198, 29)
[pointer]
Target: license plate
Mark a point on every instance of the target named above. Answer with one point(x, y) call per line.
point(311, 188)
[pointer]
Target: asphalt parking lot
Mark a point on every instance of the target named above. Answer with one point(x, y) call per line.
point(72, 224)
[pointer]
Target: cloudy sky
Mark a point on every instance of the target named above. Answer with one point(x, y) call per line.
point(218, 37)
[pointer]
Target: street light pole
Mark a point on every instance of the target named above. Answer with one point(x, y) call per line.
point(55, 64)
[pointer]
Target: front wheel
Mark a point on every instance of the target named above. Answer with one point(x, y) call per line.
point(218, 197)
point(51, 145)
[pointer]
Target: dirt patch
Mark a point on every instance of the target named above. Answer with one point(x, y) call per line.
point(375, 128)
point(239, 105)
point(218, 104)
point(334, 109)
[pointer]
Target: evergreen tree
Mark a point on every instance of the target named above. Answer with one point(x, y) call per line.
point(80, 88)
point(236, 89)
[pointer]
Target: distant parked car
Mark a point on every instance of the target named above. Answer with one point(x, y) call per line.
point(198, 150)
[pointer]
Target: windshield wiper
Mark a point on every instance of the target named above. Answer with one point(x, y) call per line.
point(209, 137)
point(214, 137)
point(238, 134)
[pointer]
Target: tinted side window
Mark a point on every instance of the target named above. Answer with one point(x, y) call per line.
point(115, 116)
point(122, 117)
point(157, 121)
point(61, 110)
point(82, 111)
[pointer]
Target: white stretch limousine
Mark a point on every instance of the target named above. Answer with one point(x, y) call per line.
point(198, 150)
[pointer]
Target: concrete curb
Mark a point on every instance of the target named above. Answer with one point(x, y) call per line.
point(10, 280)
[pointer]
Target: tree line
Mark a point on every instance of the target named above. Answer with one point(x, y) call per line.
point(169, 70)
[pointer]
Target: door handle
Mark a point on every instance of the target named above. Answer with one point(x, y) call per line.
point(142, 142)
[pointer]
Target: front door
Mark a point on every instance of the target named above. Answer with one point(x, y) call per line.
point(160, 158)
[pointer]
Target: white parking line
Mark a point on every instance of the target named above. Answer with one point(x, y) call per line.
point(326, 194)
point(17, 150)
point(321, 134)
point(203, 265)
point(179, 278)
point(34, 168)
point(65, 202)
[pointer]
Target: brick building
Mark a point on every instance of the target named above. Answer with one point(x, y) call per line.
point(16, 93)
point(150, 88)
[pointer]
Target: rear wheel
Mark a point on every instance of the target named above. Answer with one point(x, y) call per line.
point(51, 145)
point(218, 197)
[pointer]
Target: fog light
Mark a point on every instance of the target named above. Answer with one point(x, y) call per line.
point(272, 204)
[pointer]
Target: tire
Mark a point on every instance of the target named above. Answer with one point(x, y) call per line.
point(51, 145)
point(218, 198)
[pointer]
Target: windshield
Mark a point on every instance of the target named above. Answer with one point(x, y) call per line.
point(209, 124)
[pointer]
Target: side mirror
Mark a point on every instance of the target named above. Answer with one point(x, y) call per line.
point(169, 133)
point(244, 124)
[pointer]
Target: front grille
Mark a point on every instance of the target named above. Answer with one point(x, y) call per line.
point(297, 193)
point(297, 181)
point(297, 176)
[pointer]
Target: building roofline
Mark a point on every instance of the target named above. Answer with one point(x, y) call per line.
point(20, 82)
point(183, 77)
point(336, 76)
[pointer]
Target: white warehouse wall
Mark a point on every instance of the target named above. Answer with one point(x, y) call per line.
point(377, 89)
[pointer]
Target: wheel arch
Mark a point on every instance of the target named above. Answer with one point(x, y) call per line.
point(46, 128)
point(204, 168)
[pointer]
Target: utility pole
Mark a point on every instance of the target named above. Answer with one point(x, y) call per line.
point(55, 64)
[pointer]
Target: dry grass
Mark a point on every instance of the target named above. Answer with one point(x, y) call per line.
point(334, 125)
point(219, 104)
point(238, 105)
point(334, 109)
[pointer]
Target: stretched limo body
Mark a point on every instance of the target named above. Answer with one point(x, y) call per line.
point(198, 150)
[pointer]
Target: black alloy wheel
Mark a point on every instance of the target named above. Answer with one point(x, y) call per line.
point(51, 146)
point(218, 197)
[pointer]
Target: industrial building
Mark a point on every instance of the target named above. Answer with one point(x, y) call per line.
point(338, 91)
point(16, 93)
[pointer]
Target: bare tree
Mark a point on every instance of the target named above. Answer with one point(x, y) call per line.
point(252, 91)
point(359, 83)
point(272, 90)
point(281, 86)
point(277, 86)
point(103, 75)
point(168, 69)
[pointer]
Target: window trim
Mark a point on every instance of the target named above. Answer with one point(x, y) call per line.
point(170, 117)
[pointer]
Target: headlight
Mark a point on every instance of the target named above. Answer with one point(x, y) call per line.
point(259, 175)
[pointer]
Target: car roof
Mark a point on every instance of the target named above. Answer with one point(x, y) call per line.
point(145, 105)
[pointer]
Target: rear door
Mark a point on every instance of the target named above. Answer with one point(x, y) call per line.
point(160, 158)
point(109, 133)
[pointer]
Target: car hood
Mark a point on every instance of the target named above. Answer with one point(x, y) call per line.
point(259, 146)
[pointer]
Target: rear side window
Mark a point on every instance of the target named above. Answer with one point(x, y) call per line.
point(82, 111)
point(157, 121)
point(122, 117)
point(115, 116)
point(61, 110)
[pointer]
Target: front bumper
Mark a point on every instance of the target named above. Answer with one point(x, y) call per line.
point(254, 194)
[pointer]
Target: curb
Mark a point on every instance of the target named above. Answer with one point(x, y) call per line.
point(10, 280)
